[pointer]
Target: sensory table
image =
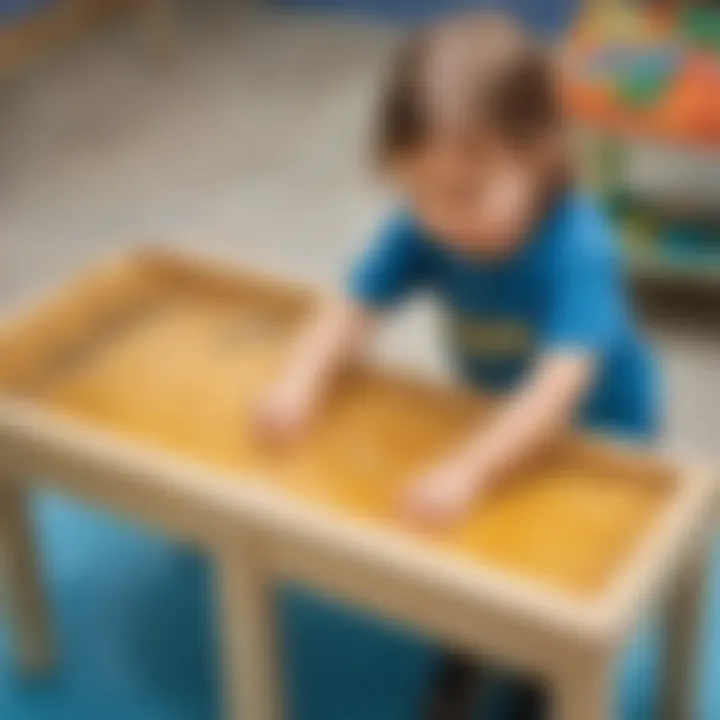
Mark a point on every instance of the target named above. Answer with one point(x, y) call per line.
point(131, 388)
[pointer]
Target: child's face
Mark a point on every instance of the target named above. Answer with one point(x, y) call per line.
point(479, 198)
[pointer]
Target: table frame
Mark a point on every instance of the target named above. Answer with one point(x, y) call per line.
point(256, 537)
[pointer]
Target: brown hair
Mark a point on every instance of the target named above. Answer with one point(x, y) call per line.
point(478, 70)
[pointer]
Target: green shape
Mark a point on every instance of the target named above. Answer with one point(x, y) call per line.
point(644, 86)
point(609, 162)
point(620, 203)
point(701, 25)
point(641, 228)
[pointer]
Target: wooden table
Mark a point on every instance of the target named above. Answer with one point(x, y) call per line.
point(130, 388)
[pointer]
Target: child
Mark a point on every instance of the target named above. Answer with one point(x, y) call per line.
point(472, 135)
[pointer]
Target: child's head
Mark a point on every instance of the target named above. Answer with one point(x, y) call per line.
point(471, 130)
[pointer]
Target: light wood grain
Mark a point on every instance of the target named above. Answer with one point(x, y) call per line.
point(132, 387)
point(683, 631)
point(585, 692)
point(251, 647)
point(22, 584)
point(185, 370)
point(47, 29)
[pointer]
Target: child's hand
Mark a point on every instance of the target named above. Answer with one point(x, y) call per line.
point(445, 493)
point(323, 349)
point(283, 413)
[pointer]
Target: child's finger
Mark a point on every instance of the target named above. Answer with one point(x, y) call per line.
point(269, 425)
point(424, 512)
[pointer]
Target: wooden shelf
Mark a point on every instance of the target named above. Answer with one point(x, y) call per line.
point(656, 267)
point(63, 22)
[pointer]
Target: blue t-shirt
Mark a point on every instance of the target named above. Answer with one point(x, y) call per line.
point(562, 290)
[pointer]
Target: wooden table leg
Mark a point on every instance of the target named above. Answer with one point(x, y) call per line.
point(22, 583)
point(683, 616)
point(585, 692)
point(253, 687)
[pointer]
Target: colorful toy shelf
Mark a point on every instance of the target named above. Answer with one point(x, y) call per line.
point(648, 72)
point(642, 80)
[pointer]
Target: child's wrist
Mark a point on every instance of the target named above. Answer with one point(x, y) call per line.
point(471, 462)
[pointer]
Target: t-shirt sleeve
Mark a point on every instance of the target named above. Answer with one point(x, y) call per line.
point(587, 308)
point(395, 264)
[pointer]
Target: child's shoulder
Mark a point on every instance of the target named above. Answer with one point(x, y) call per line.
point(400, 220)
point(401, 231)
point(583, 230)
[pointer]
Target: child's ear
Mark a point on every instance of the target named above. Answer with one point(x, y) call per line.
point(554, 158)
point(401, 169)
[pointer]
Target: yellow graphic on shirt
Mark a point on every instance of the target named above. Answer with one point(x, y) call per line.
point(491, 338)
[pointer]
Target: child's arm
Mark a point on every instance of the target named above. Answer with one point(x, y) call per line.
point(586, 314)
point(324, 348)
point(391, 268)
point(537, 414)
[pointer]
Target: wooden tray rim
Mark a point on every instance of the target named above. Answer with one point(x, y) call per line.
point(36, 440)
